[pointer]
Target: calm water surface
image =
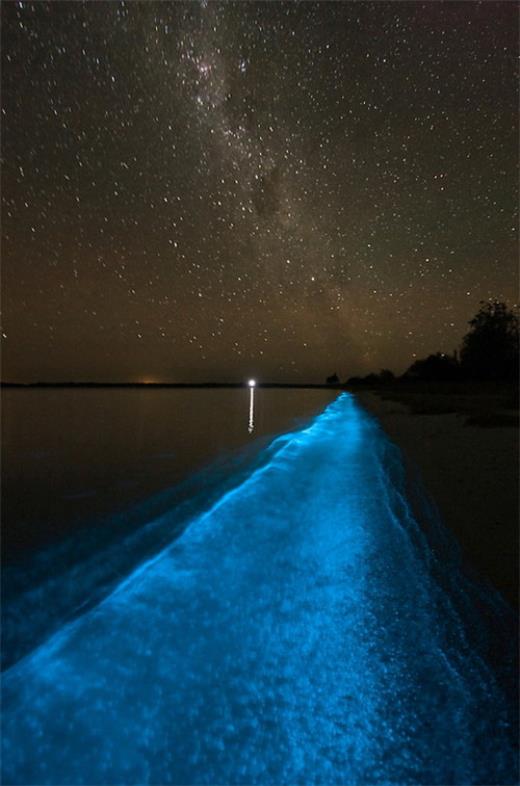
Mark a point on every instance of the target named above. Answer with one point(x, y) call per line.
point(72, 456)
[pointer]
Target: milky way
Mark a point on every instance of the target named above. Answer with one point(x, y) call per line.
point(204, 191)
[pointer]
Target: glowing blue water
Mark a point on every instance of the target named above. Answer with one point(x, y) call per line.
point(301, 631)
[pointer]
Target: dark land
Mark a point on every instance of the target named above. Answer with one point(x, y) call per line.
point(463, 439)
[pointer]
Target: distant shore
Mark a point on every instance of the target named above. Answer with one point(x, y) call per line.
point(303, 385)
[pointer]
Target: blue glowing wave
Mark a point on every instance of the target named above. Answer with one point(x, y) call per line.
point(302, 630)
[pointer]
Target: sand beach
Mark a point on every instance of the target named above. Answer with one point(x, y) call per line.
point(471, 472)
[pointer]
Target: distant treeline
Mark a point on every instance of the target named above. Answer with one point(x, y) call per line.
point(489, 352)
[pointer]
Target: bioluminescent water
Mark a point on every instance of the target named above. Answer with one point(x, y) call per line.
point(308, 628)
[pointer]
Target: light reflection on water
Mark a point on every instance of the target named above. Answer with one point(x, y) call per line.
point(251, 422)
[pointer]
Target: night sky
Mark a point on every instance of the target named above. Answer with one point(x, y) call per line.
point(208, 191)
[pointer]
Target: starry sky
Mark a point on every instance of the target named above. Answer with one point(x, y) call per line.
point(211, 190)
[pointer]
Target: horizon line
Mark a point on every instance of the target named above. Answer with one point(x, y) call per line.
point(244, 384)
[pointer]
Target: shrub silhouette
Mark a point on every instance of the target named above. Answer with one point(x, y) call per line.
point(384, 377)
point(435, 367)
point(490, 348)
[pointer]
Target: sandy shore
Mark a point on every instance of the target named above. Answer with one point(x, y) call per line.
point(471, 473)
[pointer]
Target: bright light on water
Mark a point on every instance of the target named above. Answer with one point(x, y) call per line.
point(302, 630)
point(251, 422)
point(252, 383)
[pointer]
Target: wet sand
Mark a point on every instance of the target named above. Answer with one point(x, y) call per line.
point(471, 472)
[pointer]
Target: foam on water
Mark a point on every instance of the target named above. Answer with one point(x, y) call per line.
point(302, 630)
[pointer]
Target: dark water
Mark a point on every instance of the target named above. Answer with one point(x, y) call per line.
point(88, 475)
point(309, 626)
point(71, 456)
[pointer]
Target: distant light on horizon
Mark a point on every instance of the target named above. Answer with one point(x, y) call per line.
point(252, 383)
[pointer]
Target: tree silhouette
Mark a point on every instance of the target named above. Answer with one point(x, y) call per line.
point(386, 376)
point(333, 379)
point(490, 348)
point(435, 367)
